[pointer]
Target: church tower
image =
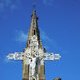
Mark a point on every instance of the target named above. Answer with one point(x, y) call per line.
point(32, 35)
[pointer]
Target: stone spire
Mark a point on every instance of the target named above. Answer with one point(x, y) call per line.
point(34, 29)
point(34, 55)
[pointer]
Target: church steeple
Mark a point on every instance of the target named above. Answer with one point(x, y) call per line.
point(33, 56)
point(34, 29)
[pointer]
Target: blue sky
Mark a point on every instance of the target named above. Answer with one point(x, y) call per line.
point(59, 22)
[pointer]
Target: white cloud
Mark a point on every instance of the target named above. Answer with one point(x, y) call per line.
point(44, 36)
point(1, 7)
point(48, 2)
point(48, 43)
point(13, 7)
point(9, 4)
point(21, 36)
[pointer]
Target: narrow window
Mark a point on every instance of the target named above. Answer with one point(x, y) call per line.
point(29, 41)
point(34, 32)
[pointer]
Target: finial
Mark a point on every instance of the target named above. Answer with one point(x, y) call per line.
point(34, 9)
point(34, 5)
